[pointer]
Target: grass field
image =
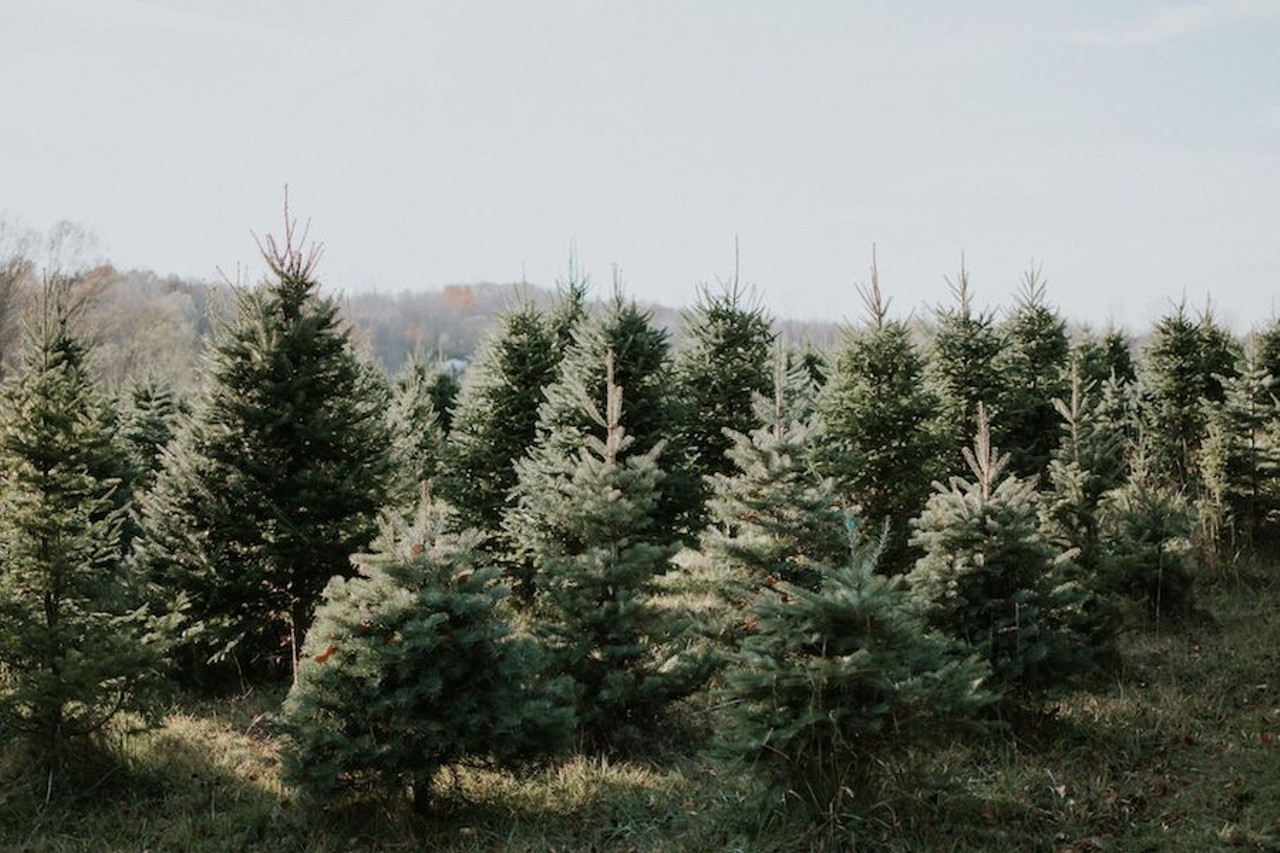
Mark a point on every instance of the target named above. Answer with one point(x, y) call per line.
point(1178, 750)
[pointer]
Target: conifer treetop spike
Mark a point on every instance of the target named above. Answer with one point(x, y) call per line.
point(873, 300)
point(1032, 292)
point(960, 290)
point(613, 412)
point(983, 459)
point(1073, 412)
point(295, 260)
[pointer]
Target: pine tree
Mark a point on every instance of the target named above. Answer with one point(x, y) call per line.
point(885, 445)
point(641, 357)
point(1220, 356)
point(588, 515)
point(1266, 344)
point(496, 420)
point(409, 667)
point(1099, 359)
point(721, 369)
point(1238, 460)
point(277, 477)
point(1035, 360)
point(1184, 366)
point(77, 647)
point(148, 425)
point(417, 435)
point(989, 579)
point(835, 683)
point(1088, 463)
point(962, 366)
point(443, 388)
point(775, 518)
point(1146, 543)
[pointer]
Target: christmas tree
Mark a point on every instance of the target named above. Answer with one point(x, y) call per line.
point(77, 646)
point(775, 518)
point(961, 369)
point(276, 478)
point(721, 369)
point(879, 418)
point(409, 667)
point(1088, 462)
point(497, 415)
point(1238, 461)
point(1146, 529)
point(587, 515)
point(1035, 364)
point(1183, 363)
point(989, 579)
point(417, 435)
point(641, 357)
point(834, 683)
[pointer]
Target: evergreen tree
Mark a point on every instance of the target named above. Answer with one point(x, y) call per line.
point(443, 388)
point(775, 518)
point(962, 367)
point(835, 683)
point(1238, 460)
point(417, 436)
point(1220, 356)
point(277, 477)
point(989, 579)
point(588, 515)
point(76, 644)
point(1088, 463)
point(1146, 543)
point(1185, 364)
point(815, 365)
point(1099, 359)
point(1035, 360)
point(409, 667)
point(885, 446)
point(148, 425)
point(1266, 344)
point(641, 357)
point(497, 416)
point(723, 366)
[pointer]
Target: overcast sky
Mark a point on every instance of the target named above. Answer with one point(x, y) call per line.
point(1131, 149)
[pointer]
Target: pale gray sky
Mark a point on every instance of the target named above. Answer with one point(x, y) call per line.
point(1132, 149)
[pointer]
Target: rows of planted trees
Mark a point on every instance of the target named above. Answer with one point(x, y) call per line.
point(852, 552)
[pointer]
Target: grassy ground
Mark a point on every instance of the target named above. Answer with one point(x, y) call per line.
point(1179, 750)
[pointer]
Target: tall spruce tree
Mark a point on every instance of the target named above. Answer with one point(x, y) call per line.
point(1087, 463)
point(880, 417)
point(589, 516)
point(77, 646)
point(775, 518)
point(1266, 343)
point(1146, 531)
point(723, 366)
point(962, 366)
point(148, 424)
point(277, 476)
point(642, 365)
point(497, 415)
point(1239, 461)
point(1099, 359)
point(1035, 361)
point(417, 435)
point(989, 579)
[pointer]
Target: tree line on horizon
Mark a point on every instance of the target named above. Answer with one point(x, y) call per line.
point(855, 550)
